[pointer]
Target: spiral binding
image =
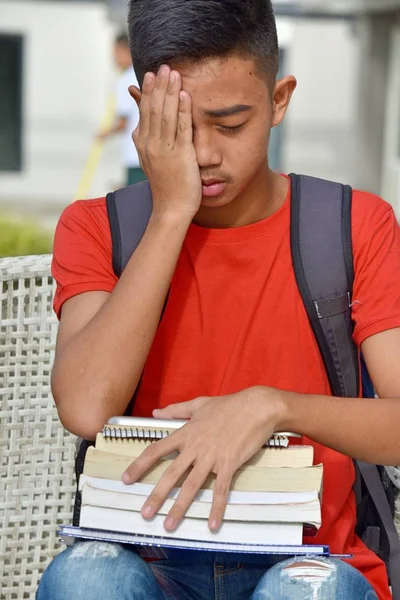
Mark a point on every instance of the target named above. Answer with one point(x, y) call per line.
point(134, 433)
point(154, 435)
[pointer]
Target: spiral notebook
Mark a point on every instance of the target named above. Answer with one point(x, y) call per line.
point(159, 548)
point(273, 497)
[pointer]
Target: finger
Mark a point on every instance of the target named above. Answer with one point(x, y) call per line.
point(182, 410)
point(157, 102)
point(167, 482)
point(220, 498)
point(187, 495)
point(150, 456)
point(144, 104)
point(135, 138)
point(185, 120)
point(170, 115)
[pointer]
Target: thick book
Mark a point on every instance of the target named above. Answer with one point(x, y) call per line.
point(247, 478)
point(286, 507)
point(268, 456)
point(111, 519)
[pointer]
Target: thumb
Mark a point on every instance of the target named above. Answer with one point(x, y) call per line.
point(183, 410)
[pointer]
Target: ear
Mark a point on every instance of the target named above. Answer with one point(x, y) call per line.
point(283, 92)
point(135, 93)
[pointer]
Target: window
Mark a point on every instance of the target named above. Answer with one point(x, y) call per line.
point(10, 102)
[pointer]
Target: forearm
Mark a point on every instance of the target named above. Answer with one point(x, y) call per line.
point(365, 429)
point(97, 372)
point(118, 127)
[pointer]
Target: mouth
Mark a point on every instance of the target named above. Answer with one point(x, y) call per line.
point(212, 187)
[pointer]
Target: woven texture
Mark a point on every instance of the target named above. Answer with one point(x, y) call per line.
point(394, 474)
point(37, 455)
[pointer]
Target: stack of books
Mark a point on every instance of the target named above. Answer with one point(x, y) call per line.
point(274, 497)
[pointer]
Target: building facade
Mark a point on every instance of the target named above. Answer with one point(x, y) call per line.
point(56, 74)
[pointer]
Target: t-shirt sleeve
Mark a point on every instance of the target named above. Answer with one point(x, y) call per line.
point(82, 253)
point(376, 241)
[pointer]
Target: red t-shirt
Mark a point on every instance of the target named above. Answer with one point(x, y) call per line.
point(235, 319)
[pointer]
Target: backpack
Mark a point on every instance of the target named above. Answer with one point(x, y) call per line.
point(322, 256)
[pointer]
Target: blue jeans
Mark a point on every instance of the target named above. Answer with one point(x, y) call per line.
point(96, 570)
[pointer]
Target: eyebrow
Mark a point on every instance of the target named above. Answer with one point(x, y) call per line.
point(227, 112)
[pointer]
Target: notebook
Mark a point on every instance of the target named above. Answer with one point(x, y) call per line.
point(152, 547)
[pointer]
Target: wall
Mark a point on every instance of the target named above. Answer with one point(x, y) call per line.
point(391, 158)
point(321, 120)
point(68, 74)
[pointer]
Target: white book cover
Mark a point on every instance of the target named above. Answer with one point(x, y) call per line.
point(191, 529)
point(234, 497)
point(306, 512)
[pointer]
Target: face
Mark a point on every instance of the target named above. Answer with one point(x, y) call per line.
point(234, 110)
point(122, 56)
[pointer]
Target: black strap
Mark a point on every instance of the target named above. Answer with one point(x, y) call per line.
point(323, 265)
point(129, 210)
point(373, 482)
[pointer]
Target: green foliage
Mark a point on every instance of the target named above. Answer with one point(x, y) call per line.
point(23, 237)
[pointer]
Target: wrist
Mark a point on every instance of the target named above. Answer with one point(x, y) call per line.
point(168, 224)
point(276, 407)
point(170, 219)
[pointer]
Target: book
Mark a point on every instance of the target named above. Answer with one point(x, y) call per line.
point(112, 519)
point(268, 456)
point(151, 430)
point(248, 478)
point(160, 548)
point(242, 506)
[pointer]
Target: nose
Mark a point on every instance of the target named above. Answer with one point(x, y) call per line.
point(207, 151)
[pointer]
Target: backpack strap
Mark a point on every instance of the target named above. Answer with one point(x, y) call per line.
point(322, 258)
point(373, 482)
point(129, 210)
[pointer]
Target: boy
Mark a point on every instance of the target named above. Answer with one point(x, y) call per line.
point(234, 336)
point(126, 112)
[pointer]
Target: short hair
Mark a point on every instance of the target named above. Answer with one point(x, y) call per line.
point(123, 39)
point(165, 31)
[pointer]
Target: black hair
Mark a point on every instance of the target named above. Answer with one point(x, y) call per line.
point(123, 39)
point(165, 31)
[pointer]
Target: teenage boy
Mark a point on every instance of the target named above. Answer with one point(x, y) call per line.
point(234, 351)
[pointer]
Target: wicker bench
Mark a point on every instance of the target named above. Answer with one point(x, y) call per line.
point(37, 454)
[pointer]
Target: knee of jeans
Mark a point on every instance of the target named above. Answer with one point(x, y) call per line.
point(315, 571)
point(311, 577)
point(91, 570)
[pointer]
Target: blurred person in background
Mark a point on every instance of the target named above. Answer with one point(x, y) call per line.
point(127, 112)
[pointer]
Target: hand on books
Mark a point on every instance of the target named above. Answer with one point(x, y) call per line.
point(222, 434)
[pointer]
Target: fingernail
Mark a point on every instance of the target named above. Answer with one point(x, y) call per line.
point(172, 77)
point(126, 478)
point(170, 523)
point(147, 511)
point(164, 69)
point(214, 525)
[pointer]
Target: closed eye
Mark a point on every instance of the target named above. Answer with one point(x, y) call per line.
point(233, 129)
